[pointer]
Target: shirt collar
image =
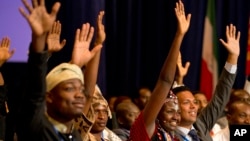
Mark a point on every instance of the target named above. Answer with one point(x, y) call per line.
point(184, 131)
point(60, 127)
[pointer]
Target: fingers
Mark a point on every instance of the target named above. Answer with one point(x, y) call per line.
point(223, 42)
point(25, 15)
point(238, 36)
point(179, 9)
point(56, 28)
point(52, 30)
point(101, 16)
point(189, 18)
point(182, 9)
point(11, 53)
point(84, 30)
point(42, 2)
point(27, 5)
point(81, 35)
point(96, 49)
point(63, 43)
point(5, 42)
point(55, 9)
point(187, 65)
point(77, 35)
point(91, 34)
point(231, 32)
point(34, 3)
point(227, 32)
point(86, 33)
point(99, 19)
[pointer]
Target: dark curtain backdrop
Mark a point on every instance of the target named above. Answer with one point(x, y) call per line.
point(140, 33)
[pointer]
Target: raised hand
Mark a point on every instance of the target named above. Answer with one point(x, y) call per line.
point(182, 71)
point(183, 21)
point(81, 53)
point(53, 38)
point(5, 52)
point(100, 30)
point(39, 19)
point(233, 40)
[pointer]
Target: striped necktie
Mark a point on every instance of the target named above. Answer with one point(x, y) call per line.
point(192, 133)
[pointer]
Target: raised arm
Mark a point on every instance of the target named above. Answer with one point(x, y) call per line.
point(40, 21)
point(33, 106)
point(167, 73)
point(91, 71)
point(5, 54)
point(227, 77)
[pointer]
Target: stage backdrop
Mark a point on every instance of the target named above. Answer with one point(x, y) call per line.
point(139, 35)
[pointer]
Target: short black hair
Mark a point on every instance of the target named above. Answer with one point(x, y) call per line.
point(198, 92)
point(180, 89)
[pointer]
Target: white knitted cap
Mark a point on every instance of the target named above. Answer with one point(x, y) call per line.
point(62, 72)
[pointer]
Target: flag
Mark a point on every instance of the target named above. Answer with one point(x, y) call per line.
point(247, 83)
point(209, 62)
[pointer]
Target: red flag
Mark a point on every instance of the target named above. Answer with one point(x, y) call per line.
point(209, 65)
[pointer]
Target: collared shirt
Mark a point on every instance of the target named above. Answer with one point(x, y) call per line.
point(184, 133)
point(230, 68)
point(109, 135)
point(57, 125)
point(220, 134)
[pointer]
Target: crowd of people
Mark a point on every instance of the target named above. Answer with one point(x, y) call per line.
point(66, 103)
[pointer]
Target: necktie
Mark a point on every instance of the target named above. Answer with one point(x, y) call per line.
point(193, 135)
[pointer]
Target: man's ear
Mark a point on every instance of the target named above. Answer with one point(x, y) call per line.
point(49, 97)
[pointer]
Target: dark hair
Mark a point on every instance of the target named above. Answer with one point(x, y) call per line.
point(231, 107)
point(180, 89)
point(198, 92)
point(120, 99)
